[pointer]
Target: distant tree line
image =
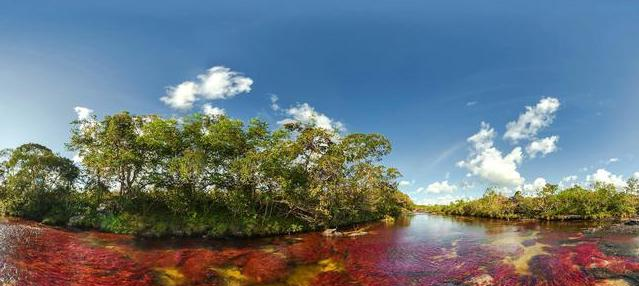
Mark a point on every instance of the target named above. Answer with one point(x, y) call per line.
point(200, 174)
point(599, 201)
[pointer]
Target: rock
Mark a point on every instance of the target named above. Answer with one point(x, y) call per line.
point(570, 217)
point(632, 222)
point(481, 280)
point(601, 273)
point(76, 220)
point(332, 232)
point(357, 233)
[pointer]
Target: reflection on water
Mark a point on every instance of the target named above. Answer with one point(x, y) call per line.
point(420, 250)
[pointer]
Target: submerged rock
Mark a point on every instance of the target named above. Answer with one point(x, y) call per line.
point(332, 232)
point(356, 233)
point(481, 280)
point(617, 228)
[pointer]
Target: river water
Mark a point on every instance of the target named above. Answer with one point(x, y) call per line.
point(418, 250)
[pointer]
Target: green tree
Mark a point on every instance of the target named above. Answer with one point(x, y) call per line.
point(632, 186)
point(37, 183)
point(111, 152)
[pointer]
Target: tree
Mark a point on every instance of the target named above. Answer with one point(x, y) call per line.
point(37, 182)
point(209, 173)
point(632, 186)
point(111, 152)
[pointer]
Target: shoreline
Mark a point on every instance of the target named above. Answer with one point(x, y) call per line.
point(349, 230)
point(575, 218)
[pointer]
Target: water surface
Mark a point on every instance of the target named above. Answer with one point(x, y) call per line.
point(419, 250)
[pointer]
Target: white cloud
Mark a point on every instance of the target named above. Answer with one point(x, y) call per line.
point(307, 115)
point(636, 175)
point(603, 176)
point(440, 187)
point(77, 159)
point(218, 82)
point(274, 105)
point(484, 138)
point(471, 103)
point(467, 185)
point(542, 146)
point(613, 160)
point(210, 110)
point(405, 183)
point(568, 181)
point(534, 119)
point(83, 112)
point(537, 184)
point(488, 163)
point(442, 200)
point(419, 190)
point(182, 96)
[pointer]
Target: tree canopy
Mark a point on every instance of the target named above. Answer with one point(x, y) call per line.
point(210, 174)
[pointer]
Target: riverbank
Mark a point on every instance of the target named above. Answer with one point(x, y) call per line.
point(214, 227)
point(169, 231)
point(600, 202)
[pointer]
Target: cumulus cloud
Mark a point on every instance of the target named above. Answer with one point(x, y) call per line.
point(83, 113)
point(542, 146)
point(218, 82)
point(636, 175)
point(212, 110)
point(603, 176)
point(536, 185)
point(307, 115)
point(182, 96)
point(489, 163)
point(533, 120)
point(568, 181)
point(440, 187)
point(274, 105)
point(442, 200)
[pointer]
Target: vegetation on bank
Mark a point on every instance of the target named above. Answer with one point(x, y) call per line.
point(202, 175)
point(600, 201)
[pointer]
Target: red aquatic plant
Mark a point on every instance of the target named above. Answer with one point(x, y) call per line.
point(265, 267)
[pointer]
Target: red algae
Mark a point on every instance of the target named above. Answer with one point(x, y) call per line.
point(265, 267)
point(428, 250)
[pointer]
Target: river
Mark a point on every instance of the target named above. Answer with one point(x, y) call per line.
point(418, 250)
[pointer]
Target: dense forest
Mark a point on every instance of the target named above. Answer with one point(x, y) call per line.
point(599, 201)
point(202, 175)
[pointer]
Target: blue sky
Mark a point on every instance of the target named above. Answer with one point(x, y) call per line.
point(424, 73)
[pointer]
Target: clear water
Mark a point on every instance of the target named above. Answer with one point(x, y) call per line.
point(419, 250)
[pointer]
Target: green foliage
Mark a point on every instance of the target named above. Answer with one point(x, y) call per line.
point(202, 174)
point(602, 201)
point(37, 184)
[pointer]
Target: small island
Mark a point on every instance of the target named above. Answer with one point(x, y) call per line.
point(202, 175)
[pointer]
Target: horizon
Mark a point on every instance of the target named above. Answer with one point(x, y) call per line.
point(487, 100)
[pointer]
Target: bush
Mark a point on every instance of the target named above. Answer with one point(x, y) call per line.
point(600, 202)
